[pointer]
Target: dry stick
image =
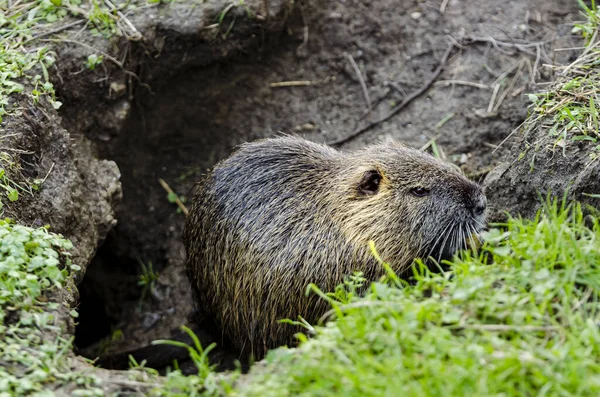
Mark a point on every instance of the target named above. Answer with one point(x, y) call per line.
point(585, 55)
point(136, 34)
point(508, 137)
point(376, 102)
point(538, 51)
point(290, 83)
point(414, 95)
point(170, 191)
point(443, 6)
point(518, 46)
point(462, 82)
point(305, 30)
point(569, 49)
point(507, 72)
point(494, 93)
point(54, 31)
point(396, 87)
point(506, 91)
point(361, 80)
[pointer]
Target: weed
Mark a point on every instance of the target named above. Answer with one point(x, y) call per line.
point(205, 383)
point(92, 61)
point(147, 280)
point(198, 354)
point(221, 17)
point(173, 198)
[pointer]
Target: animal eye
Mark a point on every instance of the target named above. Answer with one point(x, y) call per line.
point(419, 191)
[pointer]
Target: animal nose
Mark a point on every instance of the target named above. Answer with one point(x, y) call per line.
point(479, 205)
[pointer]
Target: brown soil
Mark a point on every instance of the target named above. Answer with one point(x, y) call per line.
point(197, 113)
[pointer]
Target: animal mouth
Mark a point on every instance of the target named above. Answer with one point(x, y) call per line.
point(456, 237)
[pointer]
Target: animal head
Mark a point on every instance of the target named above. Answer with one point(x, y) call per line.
point(409, 202)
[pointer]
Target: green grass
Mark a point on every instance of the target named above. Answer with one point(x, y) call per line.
point(33, 355)
point(518, 319)
point(569, 108)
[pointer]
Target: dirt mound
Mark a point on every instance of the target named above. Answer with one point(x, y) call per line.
point(310, 80)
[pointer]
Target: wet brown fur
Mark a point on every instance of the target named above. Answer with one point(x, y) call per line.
point(285, 212)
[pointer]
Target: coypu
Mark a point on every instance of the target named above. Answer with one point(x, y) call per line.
point(282, 213)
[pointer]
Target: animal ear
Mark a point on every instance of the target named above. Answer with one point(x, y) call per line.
point(369, 183)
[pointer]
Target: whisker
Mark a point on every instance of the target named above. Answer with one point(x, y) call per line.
point(473, 244)
point(437, 240)
point(441, 251)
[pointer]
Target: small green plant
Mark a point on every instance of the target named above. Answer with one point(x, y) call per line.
point(221, 17)
point(147, 280)
point(198, 354)
point(93, 60)
point(105, 344)
point(103, 19)
point(205, 383)
point(173, 198)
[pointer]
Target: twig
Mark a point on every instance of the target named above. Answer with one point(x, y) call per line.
point(54, 31)
point(48, 173)
point(443, 6)
point(569, 49)
point(170, 191)
point(586, 53)
point(491, 105)
point(304, 43)
point(506, 91)
point(136, 35)
point(461, 82)
point(508, 137)
point(507, 72)
point(406, 101)
point(376, 102)
point(517, 92)
point(429, 142)
point(396, 87)
point(291, 83)
point(361, 80)
point(522, 47)
point(538, 51)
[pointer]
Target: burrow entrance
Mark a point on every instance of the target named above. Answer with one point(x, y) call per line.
point(195, 119)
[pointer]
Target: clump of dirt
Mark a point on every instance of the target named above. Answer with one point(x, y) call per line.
point(197, 110)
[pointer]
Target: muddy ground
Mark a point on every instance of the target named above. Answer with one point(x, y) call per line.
point(196, 115)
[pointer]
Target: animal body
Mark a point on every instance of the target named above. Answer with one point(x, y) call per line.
point(282, 213)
